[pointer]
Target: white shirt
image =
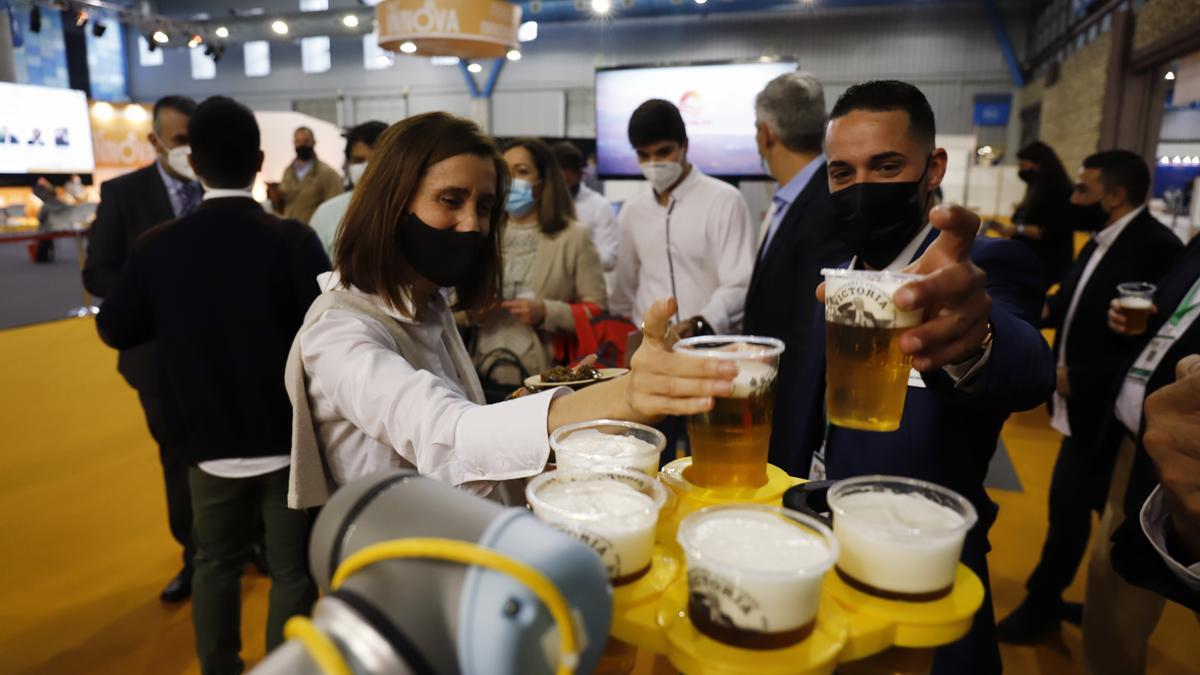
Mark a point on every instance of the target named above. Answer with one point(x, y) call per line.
point(327, 217)
point(712, 250)
point(1104, 240)
point(374, 410)
point(595, 212)
point(1154, 524)
point(240, 467)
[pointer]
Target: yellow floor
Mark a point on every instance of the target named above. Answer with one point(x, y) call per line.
point(84, 547)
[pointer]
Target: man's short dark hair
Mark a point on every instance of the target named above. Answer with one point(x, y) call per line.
point(225, 143)
point(1122, 168)
point(886, 96)
point(654, 121)
point(366, 133)
point(180, 104)
point(569, 157)
point(299, 129)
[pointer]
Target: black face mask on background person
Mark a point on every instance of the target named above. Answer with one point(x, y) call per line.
point(877, 220)
point(1090, 217)
point(305, 152)
point(444, 257)
point(1028, 175)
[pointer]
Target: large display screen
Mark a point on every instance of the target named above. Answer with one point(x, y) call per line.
point(44, 130)
point(717, 103)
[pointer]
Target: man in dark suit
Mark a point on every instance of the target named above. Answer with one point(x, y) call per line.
point(1118, 616)
point(1130, 245)
point(223, 291)
point(130, 205)
point(797, 239)
point(977, 358)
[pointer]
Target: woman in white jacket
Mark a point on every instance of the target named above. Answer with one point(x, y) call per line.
point(378, 375)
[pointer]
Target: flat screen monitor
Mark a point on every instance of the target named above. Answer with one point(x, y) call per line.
point(717, 104)
point(44, 131)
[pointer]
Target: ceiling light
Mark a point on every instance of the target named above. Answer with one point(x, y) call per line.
point(514, 55)
point(527, 32)
point(701, 2)
point(350, 21)
point(134, 113)
point(102, 110)
point(1176, 160)
point(475, 68)
point(222, 32)
point(194, 42)
point(279, 27)
point(601, 6)
point(98, 29)
point(383, 60)
point(1169, 76)
point(1164, 160)
point(161, 37)
point(408, 47)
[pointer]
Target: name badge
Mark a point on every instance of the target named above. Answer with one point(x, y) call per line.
point(816, 470)
point(915, 379)
point(1149, 359)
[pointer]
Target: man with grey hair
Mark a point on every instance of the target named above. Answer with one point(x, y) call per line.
point(797, 238)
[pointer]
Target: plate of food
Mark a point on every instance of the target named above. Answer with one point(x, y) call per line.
point(576, 378)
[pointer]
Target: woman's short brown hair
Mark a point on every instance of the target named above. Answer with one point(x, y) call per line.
point(368, 255)
point(556, 208)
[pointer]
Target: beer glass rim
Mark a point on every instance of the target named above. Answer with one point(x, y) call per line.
point(1137, 288)
point(772, 347)
point(948, 498)
point(660, 440)
point(657, 492)
point(873, 275)
point(687, 526)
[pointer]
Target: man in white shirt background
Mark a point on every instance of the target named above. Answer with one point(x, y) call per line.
point(360, 145)
point(592, 209)
point(1129, 245)
point(685, 235)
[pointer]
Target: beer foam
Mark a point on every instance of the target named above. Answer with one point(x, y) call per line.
point(899, 542)
point(752, 378)
point(1134, 302)
point(600, 497)
point(595, 449)
point(753, 541)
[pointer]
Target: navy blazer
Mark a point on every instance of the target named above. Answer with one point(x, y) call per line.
point(947, 436)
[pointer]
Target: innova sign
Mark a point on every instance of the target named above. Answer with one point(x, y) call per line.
point(465, 28)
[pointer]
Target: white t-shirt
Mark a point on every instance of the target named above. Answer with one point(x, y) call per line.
point(711, 251)
point(596, 214)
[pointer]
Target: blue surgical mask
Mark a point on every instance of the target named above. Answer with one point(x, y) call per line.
point(520, 198)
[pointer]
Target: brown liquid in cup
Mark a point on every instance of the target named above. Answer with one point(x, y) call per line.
point(740, 637)
point(892, 595)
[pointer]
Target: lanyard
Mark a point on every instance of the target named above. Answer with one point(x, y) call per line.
point(1189, 303)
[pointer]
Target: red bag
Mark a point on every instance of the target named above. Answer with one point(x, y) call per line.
point(596, 332)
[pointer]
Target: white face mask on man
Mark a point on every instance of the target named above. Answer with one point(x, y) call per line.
point(355, 172)
point(661, 175)
point(177, 159)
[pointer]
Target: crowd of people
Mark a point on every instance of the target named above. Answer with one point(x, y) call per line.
point(354, 330)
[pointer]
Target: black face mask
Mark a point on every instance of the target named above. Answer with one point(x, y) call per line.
point(305, 152)
point(877, 220)
point(444, 257)
point(1090, 218)
point(1028, 175)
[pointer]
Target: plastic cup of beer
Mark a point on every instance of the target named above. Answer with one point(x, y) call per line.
point(866, 373)
point(1137, 301)
point(614, 511)
point(755, 573)
point(730, 442)
point(608, 444)
point(901, 538)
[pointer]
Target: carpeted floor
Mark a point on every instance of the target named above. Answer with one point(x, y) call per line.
point(31, 293)
point(84, 547)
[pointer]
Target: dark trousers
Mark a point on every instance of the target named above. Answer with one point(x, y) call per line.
point(226, 510)
point(175, 478)
point(978, 652)
point(1071, 499)
point(675, 429)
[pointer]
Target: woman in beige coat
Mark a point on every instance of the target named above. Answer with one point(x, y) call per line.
point(550, 263)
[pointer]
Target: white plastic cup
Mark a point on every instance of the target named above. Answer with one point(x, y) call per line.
point(608, 444)
point(755, 572)
point(901, 538)
point(614, 511)
point(1137, 299)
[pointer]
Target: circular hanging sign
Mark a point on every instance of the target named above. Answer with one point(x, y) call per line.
point(468, 29)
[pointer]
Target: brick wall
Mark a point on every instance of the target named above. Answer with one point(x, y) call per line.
point(1072, 108)
point(1160, 18)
